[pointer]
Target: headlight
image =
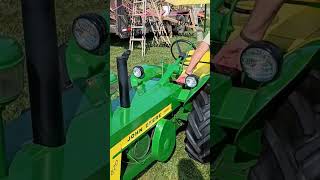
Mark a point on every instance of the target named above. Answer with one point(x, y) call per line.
point(138, 71)
point(191, 81)
point(261, 61)
point(89, 31)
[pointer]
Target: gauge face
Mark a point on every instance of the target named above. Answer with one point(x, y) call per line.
point(259, 64)
point(191, 81)
point(138, 71)
point(86, 34)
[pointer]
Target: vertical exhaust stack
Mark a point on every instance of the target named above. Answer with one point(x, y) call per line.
point(123, 79)
point(43, 70)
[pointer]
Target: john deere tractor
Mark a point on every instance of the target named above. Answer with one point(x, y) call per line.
point(152, 107)
point(64, 134)
point(265, 122)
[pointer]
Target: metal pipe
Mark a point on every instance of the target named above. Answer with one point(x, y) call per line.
point(43, 72)
point(123, 79)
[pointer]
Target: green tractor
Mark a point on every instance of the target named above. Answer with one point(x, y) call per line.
point(265, 119)
point(64, 135)
point(152, 107)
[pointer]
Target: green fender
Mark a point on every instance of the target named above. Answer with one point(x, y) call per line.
point(294, 65)
point(190, 93)
point(82, 64)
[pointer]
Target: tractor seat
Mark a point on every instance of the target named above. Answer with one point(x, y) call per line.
point(294, 26)
point(202, 68)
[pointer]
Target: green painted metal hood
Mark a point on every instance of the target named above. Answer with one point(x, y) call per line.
point(82, 157)
point(143, 106)
point(113, 78)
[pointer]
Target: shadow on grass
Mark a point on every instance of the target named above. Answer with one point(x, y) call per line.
point(188, 170)
point(117, 41)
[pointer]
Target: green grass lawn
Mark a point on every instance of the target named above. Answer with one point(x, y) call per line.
point(179, 166)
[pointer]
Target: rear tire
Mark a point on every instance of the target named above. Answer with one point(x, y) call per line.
point(291, 143)
point(310, 88)
point(198, 129)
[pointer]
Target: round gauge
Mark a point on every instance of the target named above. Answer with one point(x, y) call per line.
point(261, 61)
point(191, 81)
point(138, 71)
point(88, 31)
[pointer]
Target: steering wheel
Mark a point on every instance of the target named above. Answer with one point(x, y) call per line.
point(228, 5)
point(237, 9)
point(180, 48)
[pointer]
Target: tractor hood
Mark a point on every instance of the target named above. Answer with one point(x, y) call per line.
point(147, 99)
point(153, 90)
point(145, 103)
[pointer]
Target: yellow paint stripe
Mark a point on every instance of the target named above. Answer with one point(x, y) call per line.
point(115, 167)
point(115, 161)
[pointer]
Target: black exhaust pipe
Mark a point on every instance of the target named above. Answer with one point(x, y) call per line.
point(43, 72)
point(123, 79)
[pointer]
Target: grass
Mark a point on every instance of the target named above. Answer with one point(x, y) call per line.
point(180, 166)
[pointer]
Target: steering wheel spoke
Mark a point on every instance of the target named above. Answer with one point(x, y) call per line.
point(178, 48)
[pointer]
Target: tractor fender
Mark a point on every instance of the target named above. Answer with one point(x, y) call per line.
point(82, 64)
point(295, 64)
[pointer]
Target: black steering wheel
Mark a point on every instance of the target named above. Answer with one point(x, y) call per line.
point(180, 48)
point(228, 5)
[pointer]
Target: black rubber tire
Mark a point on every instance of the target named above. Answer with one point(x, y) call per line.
point(310, 87)
point(291, 122)
point(284, 121)
point(198, 129)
